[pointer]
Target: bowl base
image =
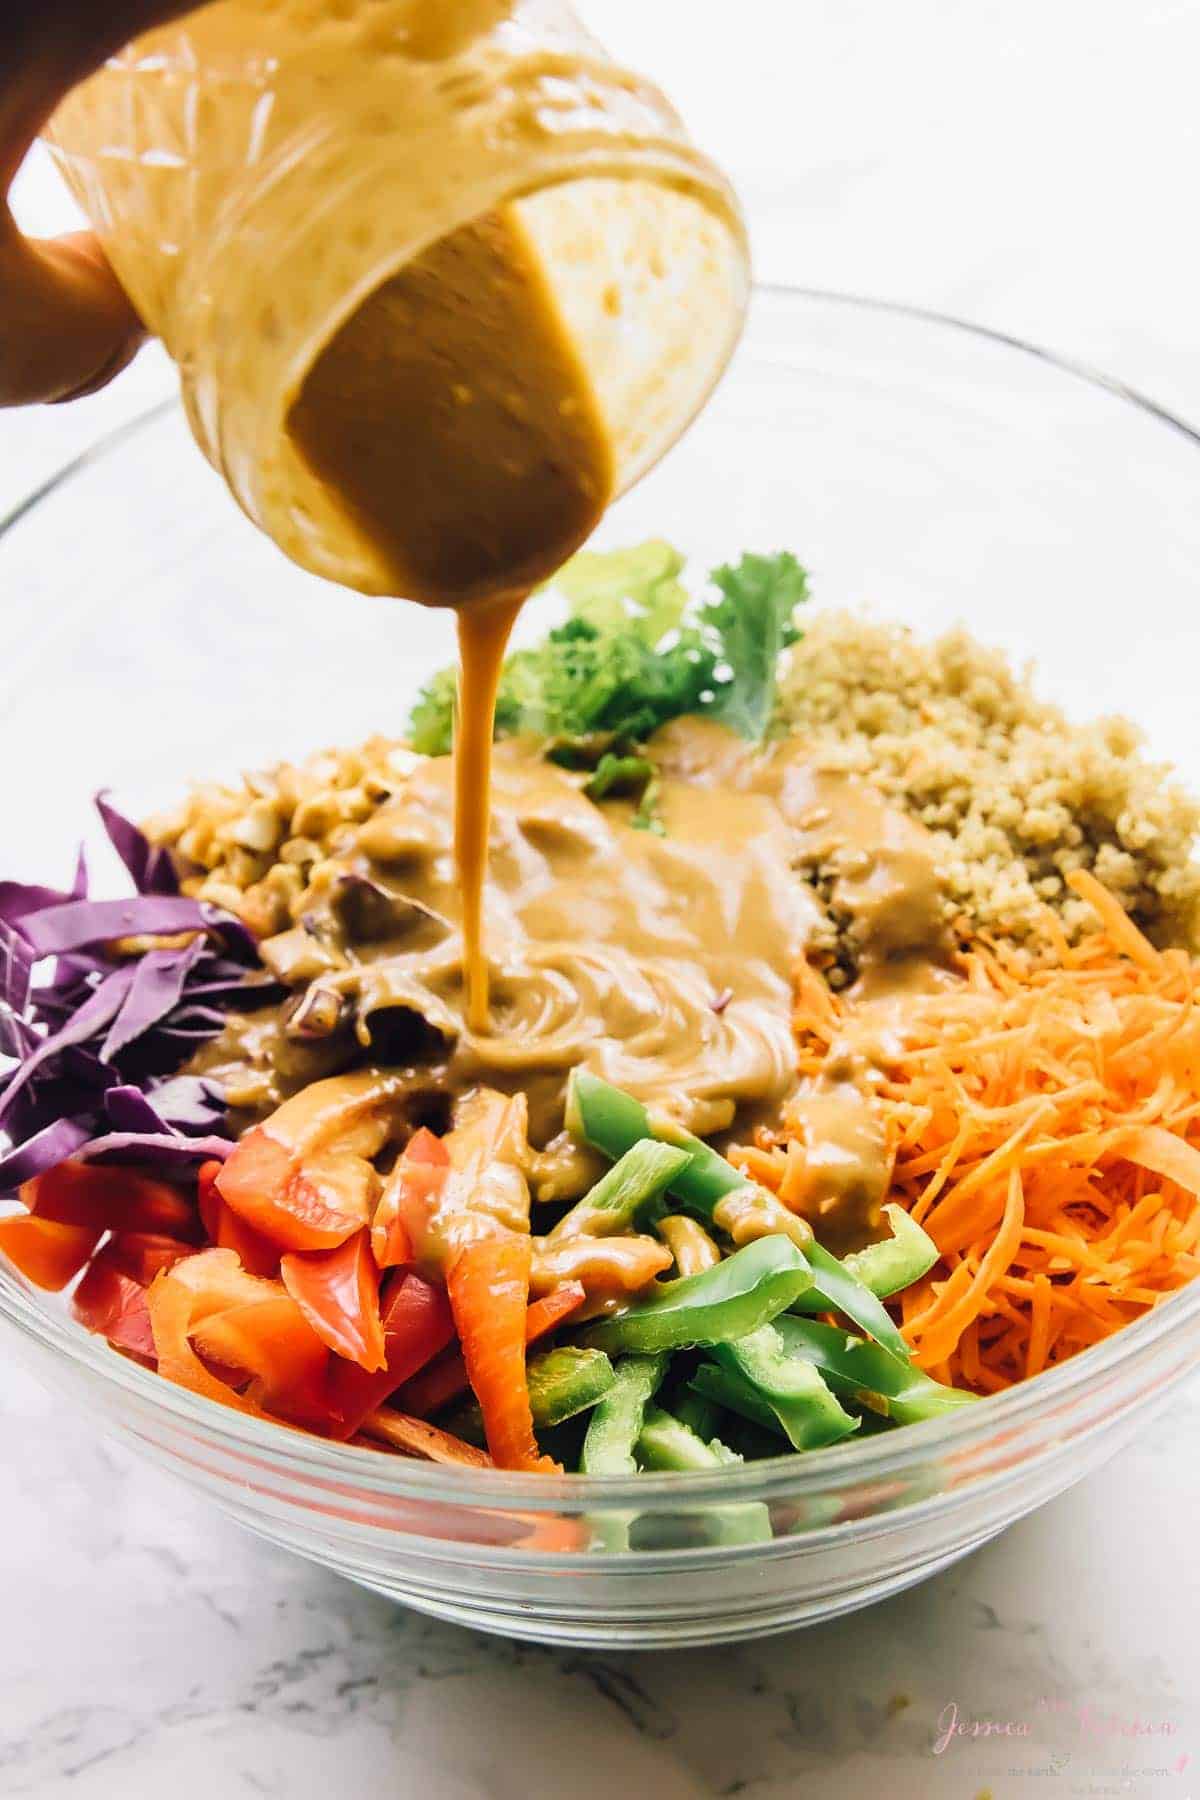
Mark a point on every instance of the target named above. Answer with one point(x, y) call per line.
point(576, 1633)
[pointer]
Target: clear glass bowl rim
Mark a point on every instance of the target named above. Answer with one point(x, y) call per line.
point(385, 1477)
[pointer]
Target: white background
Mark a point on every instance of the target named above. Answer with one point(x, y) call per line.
point(1030, 165)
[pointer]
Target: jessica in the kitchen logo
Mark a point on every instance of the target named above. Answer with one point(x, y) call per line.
point(1079, 1722)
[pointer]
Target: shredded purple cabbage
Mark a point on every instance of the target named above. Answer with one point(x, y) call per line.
point(82, 924)
point(53, 1144)
point(96, 1044)
point(87, 1021)
point(159, 979)
point(182, 1103)
point(151, 868)
point(16, 969)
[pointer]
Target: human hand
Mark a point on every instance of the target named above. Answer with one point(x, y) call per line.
point(66, 324)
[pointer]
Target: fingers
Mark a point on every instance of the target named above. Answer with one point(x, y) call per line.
point(66, 325)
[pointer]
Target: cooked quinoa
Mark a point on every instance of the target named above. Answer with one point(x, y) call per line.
point(1014, 794)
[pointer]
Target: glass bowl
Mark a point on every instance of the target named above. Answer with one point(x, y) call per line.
point(933, 472)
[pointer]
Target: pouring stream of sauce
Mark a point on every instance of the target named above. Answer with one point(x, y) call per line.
point(483, 635)
point(465, 352)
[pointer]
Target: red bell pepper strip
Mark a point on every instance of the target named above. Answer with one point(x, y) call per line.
point(112, 1303)
point(338, 1293)
point(417, 1323)
point(242, 1323)
point(297, 1208)
point(46, 1251)
point(424, 1146)
point(446, 1378)
point(391, 1245)
point(489, 1294)
point(303, 1178)
point(257, 1254)
point(174, 1304)
point(419, 1175)
point(111, 1199)
point(141, 1255)
point(271, 1340)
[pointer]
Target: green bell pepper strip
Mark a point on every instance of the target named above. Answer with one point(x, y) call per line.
point(562, 1382)
point(732, 1392)
point(697, 1413)
point(836, 1289)
point(747, 1290)
point(613, 1121)
point(616, 1423)
point(895, 1263)
point(868, 1374)
point(565, 1381)
point(726, 1388)
point(643, 1173)
point(666, 1443)
point(613, 1430)
point(791, 1387)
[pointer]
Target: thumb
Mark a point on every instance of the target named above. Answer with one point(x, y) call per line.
point(66, 324)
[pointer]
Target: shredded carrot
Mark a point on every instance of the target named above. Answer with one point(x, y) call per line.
point(1155, 1149)
point(417, 1437)
point(1044, 1116)
point(1118, 927)
point(938, 1340)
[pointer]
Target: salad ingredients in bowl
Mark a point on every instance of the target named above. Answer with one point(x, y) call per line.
point(776, 1139)
point(818, 1194)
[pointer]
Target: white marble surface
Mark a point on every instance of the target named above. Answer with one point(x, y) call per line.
point(1029, 166)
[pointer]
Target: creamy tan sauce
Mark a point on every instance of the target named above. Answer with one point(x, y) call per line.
point(847, 1168)
point(454, 422)
point(874, 860)
point(690, 1245)
point(483, 634)
point(882, 879)
point(874, 868)
point(664, 963)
